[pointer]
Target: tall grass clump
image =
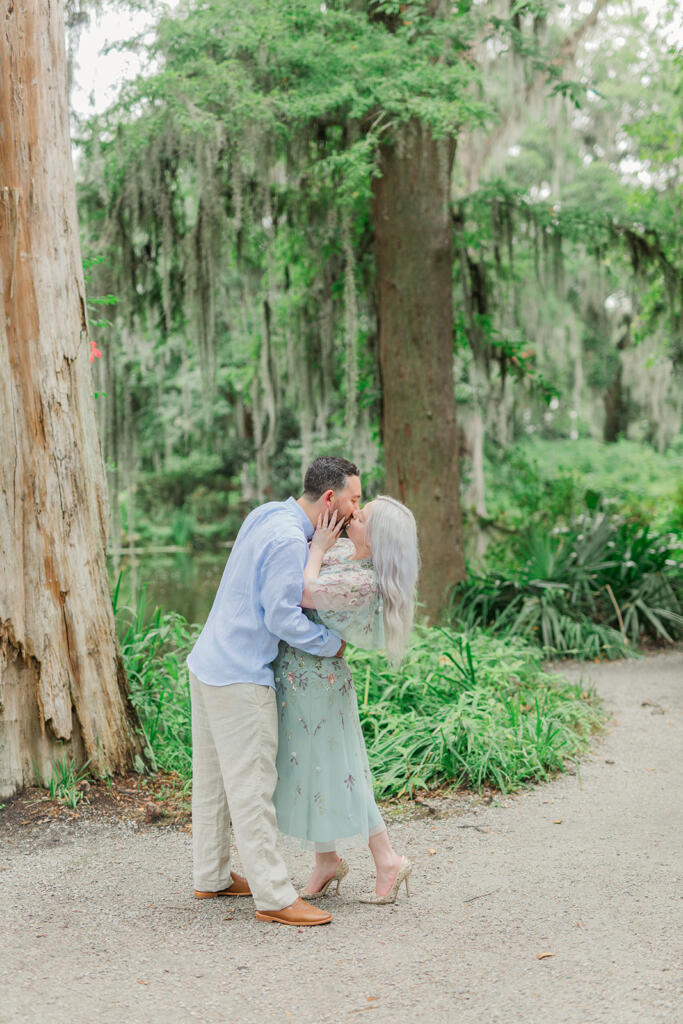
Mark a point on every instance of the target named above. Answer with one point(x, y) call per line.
point(66, 781)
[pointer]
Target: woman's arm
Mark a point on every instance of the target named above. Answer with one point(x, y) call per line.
point(347, 599)
point(326, 536)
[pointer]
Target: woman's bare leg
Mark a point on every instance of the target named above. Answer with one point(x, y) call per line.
point(325, 867)
point(387, 861)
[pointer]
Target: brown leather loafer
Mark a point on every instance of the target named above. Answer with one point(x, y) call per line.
point(239, 887)
point(299, 914)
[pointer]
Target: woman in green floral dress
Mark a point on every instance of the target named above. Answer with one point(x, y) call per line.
point(364, 589)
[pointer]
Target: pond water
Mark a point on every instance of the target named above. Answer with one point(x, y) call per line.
point(178, 581)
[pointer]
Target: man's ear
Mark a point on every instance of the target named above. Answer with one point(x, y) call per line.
point(327, 498)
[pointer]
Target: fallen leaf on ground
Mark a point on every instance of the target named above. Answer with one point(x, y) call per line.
point(544, 956)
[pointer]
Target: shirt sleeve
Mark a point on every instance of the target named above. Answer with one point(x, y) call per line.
point(282, 586)
point(347, 598)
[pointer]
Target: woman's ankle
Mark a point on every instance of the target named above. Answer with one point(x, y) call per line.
point(383, 853)
point(327, 860)
point(389, 863)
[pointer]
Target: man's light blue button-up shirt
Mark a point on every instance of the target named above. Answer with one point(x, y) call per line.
point(259, 601)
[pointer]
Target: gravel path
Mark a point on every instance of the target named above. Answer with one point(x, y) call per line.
point(98, 923)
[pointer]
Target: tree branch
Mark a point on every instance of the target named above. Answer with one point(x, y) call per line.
point(502, 137)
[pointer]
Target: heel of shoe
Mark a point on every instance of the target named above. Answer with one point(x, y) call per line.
point(401, 877)
point(342, 872)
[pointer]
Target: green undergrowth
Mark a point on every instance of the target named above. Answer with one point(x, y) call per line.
point(154, 650)
point(470, 710)
point(597, 588)
point(467, 710)
point(66, 781)
point(547, 482)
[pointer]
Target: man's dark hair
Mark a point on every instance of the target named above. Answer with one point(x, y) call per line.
point(327, 473)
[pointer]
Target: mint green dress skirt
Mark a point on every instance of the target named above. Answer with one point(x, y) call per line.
point(324, 790)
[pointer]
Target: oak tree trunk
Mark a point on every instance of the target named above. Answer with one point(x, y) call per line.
point(62, 685)
point(413, 232)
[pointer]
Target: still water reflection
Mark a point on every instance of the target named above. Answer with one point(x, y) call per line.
point(181, 581)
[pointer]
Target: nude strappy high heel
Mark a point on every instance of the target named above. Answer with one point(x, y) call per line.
point(402, 875)
point(341, 872)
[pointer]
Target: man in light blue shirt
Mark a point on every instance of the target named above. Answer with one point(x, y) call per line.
point(234, 714)
point(259, 601)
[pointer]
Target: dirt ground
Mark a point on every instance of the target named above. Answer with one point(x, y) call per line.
point(561, 905)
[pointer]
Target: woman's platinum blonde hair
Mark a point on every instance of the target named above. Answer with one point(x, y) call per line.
point(392, 535)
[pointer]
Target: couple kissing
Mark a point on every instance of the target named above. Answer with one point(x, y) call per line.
point(276, 737)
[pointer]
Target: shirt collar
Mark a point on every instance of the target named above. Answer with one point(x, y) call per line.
point(306, 523)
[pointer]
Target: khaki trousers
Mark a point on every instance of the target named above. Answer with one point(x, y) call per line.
point(234, 747)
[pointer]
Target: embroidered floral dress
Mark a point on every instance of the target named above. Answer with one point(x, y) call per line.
point(324, 789)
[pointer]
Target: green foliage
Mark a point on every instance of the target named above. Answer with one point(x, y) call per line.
point(154, 651)
point(467, 710)
point(470, 710)
point(570, 244)
point(65, 779)
point(191, 500)
point(594, 589)
point(224, 191)
point(546, 482)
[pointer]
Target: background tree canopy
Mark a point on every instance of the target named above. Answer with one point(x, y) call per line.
point(239, 204)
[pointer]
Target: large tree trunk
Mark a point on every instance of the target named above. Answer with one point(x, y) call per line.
point(413, 230)
point(62, 685)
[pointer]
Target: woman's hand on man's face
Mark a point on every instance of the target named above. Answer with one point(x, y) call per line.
point(327, 531)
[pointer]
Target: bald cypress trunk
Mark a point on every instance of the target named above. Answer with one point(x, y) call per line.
point(62, 684)
point(414, 240)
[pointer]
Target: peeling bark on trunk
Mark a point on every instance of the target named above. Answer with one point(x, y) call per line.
point(63, 690)
point(414, 242)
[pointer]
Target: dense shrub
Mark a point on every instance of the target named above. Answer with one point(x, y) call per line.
point(594, 589)
point(469, 710)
